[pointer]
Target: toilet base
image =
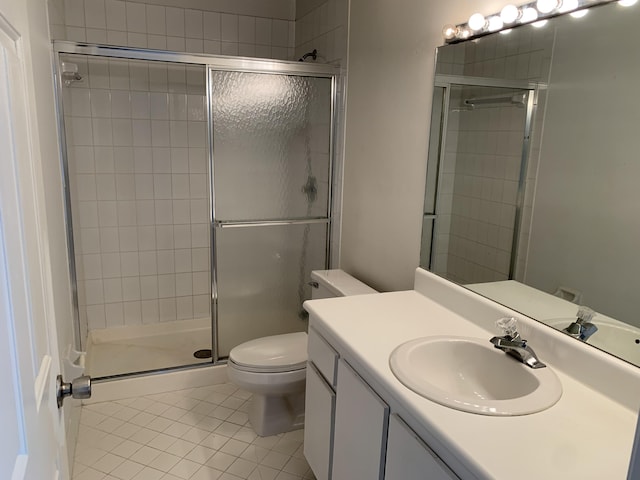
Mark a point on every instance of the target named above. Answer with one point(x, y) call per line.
point(273, 414)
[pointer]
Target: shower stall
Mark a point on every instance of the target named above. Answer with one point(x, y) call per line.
point(199, 199)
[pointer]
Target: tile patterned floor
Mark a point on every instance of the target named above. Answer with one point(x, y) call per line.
point(195, 434)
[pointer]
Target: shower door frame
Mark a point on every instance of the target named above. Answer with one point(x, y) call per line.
point(447, 82)
point(209, 63)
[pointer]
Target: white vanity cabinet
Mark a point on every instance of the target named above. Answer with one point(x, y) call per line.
point(320, 402)
point(361, 421)
point(350, 433)
point(409, 458)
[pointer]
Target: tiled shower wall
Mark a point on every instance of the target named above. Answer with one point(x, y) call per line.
point(251, 29)
point(136, 139)
point(322, 25)
point(484, 144)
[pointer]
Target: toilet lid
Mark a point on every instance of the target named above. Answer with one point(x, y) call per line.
point(276, 353)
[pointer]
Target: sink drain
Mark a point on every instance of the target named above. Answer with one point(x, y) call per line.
point(204, 353)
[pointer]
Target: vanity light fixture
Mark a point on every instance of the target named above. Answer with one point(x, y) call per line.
point(477, 22)
point(536, 12)
point(579, 13)
point(510, 14)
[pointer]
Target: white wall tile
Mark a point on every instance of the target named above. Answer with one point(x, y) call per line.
point(131, 289)
point(148, 287)
point(193, 20)
point(132, 313)
point(146, 238)
point(165, 261)
point(114, 315)
point(95, 14)
point(157, 42)
point(247, 29)
point(212, 26)
point(112, 290)
point(128, 238)
point(156, 20)
point(129, 264)
point(150, 311)
point(107, 214)
point(136, 17)
point(142, 160)
point(184, 284)
point(116, 16)
point(175, 22)
point(176, 44)
point(229, 27)
point(164, 237)
point(74, 13)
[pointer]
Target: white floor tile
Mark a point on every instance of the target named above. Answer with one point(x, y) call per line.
point(195, 434)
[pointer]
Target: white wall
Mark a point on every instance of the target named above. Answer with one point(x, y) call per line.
point(390, 81)
point(584, 233)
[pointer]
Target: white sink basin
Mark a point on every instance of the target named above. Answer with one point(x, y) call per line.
point(469, 374)
point(617, 339)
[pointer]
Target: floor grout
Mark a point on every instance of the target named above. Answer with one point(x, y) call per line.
point(193, 434)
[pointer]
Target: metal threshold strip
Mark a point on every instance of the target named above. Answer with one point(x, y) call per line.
point(269, 223)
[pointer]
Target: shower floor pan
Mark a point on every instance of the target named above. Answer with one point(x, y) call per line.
point(115, 351)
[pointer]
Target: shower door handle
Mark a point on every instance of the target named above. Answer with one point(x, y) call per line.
point(313, 284)
point(78, 388)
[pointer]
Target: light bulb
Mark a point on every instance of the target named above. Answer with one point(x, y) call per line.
point(463, 33)
point(495, 23)
point(477, 22)
point(529, 15)
point(509, 14)
point(547, 6)
point(449, 32)
point(579, 13)
point(568, 5)
point(540, 23)
point(627, 3)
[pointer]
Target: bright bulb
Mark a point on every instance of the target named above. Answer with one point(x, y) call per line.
point(547, 6)
point(627, 3)
point(477, 22)
point(579, 13)
point(463, 33)
point(568, 5)
point(449, 32)
point(509, 14)
point(540, 24)
point(495, 23)
point(529, 15)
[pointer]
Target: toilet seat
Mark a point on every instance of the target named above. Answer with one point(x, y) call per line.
point(274, 354)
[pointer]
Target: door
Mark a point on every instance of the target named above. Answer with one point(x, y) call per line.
point(271, 138)
point(32, 427)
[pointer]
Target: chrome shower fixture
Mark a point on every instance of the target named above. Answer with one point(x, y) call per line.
point(69, 73)
point(313, 54)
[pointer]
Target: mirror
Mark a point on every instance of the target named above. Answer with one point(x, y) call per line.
point(533, 183)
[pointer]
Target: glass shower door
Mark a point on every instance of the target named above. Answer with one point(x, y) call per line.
point(271, 172)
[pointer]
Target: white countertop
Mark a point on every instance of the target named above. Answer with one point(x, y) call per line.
point(586, 435)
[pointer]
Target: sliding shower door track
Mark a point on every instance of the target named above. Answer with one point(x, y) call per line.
point(269, 223)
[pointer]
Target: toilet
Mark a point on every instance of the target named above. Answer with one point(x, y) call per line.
point(273, 368)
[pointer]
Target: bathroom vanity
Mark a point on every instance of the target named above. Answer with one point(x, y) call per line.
point(363, 423)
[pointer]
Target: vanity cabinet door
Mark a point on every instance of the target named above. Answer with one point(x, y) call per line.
point(409, 458)
point(320, 404)
point(360, 428)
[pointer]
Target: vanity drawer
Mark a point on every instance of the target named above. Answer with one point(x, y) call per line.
point(323, 356)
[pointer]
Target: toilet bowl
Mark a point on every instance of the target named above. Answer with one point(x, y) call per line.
point(273, 368)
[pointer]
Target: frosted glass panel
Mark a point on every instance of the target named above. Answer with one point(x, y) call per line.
point(262, 279)
point(272, 136)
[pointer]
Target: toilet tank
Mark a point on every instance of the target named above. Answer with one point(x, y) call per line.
point(336, 283)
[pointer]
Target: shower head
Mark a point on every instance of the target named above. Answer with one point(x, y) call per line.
point(313, 54)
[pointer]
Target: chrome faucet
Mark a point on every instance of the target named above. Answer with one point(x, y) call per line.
point(512, 344)
point(582, 328)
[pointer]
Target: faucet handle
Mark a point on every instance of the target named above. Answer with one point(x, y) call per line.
point(508, 325)
point(585, 314)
